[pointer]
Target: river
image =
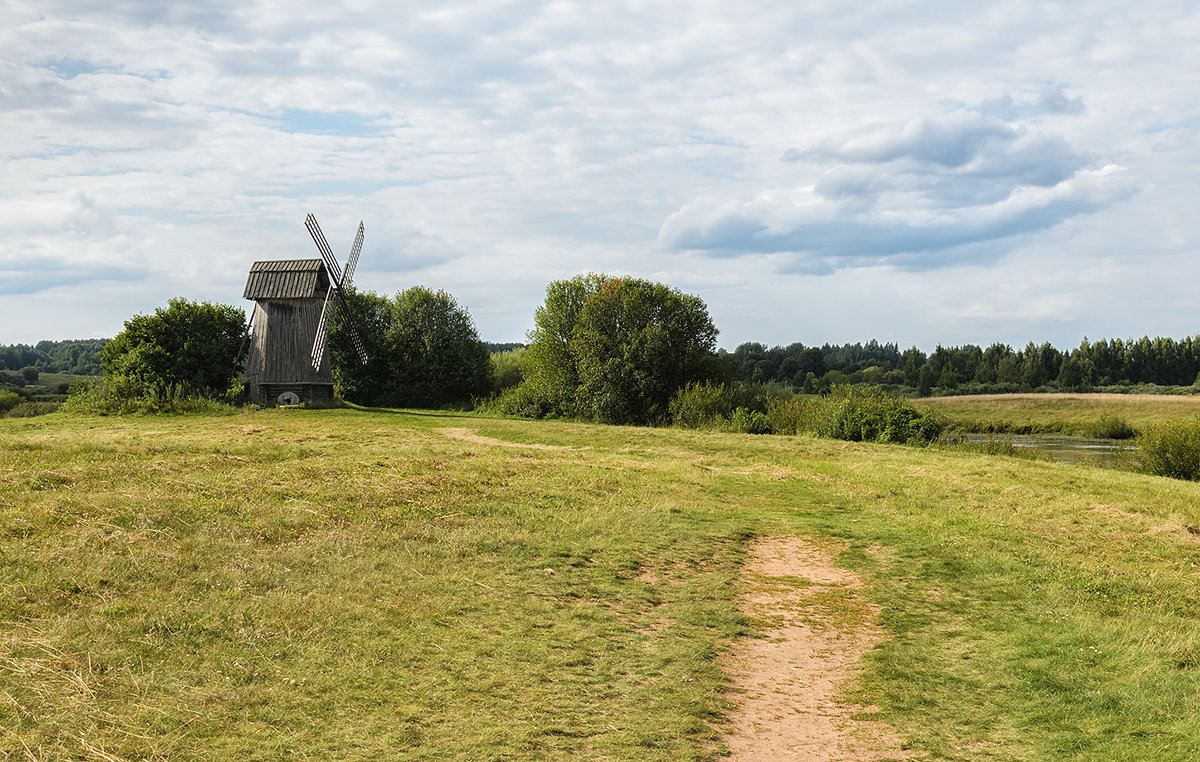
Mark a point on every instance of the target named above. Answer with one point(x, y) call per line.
point(1098, 452)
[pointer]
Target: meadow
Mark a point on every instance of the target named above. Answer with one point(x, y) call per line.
point(1064, 413)
point(345, 584)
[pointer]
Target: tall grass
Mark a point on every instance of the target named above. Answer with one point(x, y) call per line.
point(105, 397)
point(852, 413)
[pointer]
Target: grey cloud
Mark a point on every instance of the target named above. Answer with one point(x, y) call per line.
point(826, 236)
point(44, 274)
point(948, 142)
point(918, 197)
point(1055, 101)
point(1052, 100)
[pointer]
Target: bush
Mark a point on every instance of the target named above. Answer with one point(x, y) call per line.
point(8, 400)
point(1171, 449)
point(108, 397)
point(1110, 427)
point(30, 409)
point(701, 406)
point(708, 405)
point(867, 414)
point(525, 400)
point(789, 416)
point(744, 421)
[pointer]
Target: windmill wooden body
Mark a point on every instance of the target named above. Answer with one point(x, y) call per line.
point(293, 304)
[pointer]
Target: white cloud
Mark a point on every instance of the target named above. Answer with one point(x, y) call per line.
point(493, 145)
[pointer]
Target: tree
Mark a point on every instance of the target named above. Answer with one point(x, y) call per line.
point(193, 347)
point(549, 368)
point(617, 349)
point(423, 351)
point(1076, 373)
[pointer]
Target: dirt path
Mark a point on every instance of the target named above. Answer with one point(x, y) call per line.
point(787, 683)
point(469, 435)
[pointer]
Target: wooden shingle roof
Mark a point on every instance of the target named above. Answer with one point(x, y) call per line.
point(287, 279)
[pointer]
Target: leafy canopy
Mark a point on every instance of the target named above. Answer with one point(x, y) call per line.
point(616, 349)
point(423, 351)
point(190, 347)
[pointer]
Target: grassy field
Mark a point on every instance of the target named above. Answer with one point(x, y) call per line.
point(1058, 413)
point(339, 584)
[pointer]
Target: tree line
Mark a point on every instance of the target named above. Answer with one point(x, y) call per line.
point(971, 369)
point(603, 348)
point(77, 356)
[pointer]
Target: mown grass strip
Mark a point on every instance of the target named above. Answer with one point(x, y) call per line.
point(356, 585)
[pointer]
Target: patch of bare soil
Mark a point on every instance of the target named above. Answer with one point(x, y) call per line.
point(787, 685)
point(468, 435)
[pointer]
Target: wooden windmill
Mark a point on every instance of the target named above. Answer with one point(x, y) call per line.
point(294, 300)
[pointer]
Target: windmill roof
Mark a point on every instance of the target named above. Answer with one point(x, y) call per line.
point(286, 279)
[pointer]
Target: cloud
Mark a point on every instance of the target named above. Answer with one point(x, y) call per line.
point(917, 196)
point(494, 145)
point(1051, 100)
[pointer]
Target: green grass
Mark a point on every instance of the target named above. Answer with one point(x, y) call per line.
point(1071, 414)
point(342, 584)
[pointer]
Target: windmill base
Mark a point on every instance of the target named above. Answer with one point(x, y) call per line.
point(302, 392)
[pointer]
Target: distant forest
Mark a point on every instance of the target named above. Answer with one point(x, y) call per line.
point(1112, 364)
point(78, 356)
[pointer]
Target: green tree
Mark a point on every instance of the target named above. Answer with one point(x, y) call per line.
point(617, 349)
point(423, 351)
point(549, 367)
point(192, 347)
point(1077, 373)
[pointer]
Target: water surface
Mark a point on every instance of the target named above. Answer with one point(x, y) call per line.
point(1097, 452)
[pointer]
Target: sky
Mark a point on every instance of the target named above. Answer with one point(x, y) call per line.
point(921, 173)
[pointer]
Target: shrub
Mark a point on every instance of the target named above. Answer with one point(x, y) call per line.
point(869, 414)
point(712, 405)
point(8, 400)
point(1171, 449)
point(195, 345)
point(701, 405)
point(616, 350)
point(30, 409)
point(1110, 427)
point(789, 416)
point(744, 421)
point(525, 400)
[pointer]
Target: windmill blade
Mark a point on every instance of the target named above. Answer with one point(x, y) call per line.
point(322, 337)
point(351, 329)
point(331, 264)
point(335, 293)
point(348, 273)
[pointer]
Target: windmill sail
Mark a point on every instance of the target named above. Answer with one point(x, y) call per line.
point(335, 297)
